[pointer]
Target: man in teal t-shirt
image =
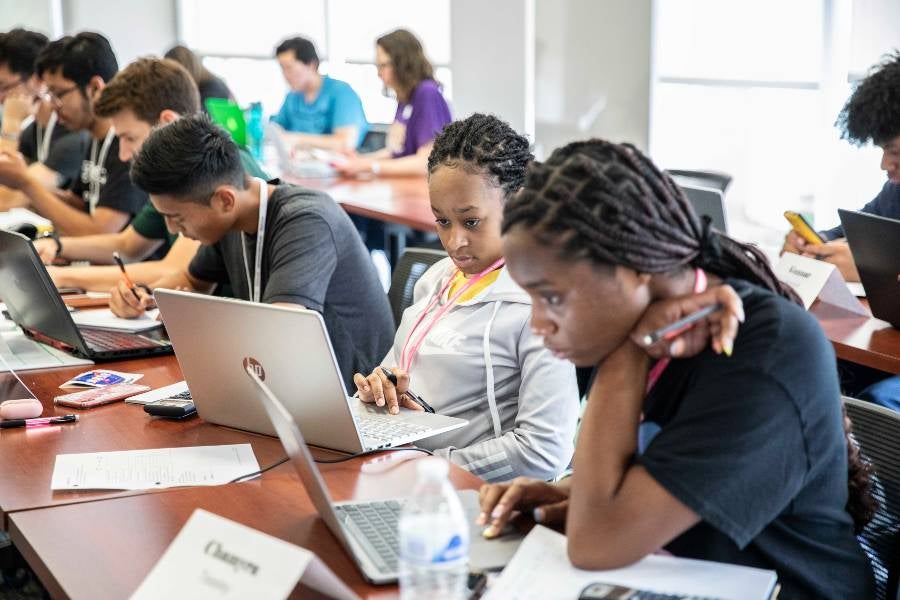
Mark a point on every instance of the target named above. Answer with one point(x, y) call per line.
point(318, 112)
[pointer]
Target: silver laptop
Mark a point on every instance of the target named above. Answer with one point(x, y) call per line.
point(214, 337)
point(706, 201)
point(310, 164)
point(368, 531)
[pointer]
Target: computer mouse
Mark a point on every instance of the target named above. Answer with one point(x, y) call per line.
point(26, 408)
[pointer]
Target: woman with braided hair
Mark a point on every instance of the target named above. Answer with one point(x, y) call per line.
point(735, 453)
point(465, 345)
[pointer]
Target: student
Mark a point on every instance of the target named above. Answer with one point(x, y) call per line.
point(739, 459)
point(306, 254)
point(479, 360)
point(320, 112)
point(422, 111)
point(147, 93)
point(209, 85)
point(872, 114)
point(102, 199)
point(52, 152)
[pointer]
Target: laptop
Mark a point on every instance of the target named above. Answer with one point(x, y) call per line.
point(290, 347)
point(229, 117)
point(309, 163)
point(35, 305)
point(369, 531)
point(875, 244)
point(706, 201)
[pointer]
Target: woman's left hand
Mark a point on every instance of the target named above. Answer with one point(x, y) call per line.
point(718, 329)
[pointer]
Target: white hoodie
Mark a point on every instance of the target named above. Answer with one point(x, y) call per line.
point(481, 362)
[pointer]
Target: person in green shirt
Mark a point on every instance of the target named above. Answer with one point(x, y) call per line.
point(148, 93)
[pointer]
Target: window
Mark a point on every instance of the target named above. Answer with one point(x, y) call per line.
point(238, 44)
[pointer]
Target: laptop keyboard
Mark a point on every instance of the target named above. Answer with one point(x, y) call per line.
point(382, 430)
point(376, 526)
point(105, 341)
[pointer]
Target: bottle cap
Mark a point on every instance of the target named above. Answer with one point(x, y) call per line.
point(433, 468)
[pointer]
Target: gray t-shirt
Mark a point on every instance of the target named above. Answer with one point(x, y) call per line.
point(312, 255)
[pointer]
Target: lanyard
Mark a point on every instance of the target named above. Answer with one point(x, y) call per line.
point(660, 366)
point(43, 137)
point(256, 284)
point(411, 347)
point(93, 171)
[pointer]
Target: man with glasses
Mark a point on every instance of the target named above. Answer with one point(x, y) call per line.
point(102, 198)
point(53, 152)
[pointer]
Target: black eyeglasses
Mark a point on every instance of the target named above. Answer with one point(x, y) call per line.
point(56, 97)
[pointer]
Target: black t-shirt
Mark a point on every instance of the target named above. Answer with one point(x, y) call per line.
point(66, 151)
point(214, 88)
point(312, 255)
point(754, 445)
point(116, 190)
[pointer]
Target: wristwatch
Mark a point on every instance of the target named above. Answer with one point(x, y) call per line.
point(55, 238)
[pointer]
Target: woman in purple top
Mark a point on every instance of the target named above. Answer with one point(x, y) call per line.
point(421, 113)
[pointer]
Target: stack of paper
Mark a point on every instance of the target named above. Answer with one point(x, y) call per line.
point(541, 570)
point(103, 318)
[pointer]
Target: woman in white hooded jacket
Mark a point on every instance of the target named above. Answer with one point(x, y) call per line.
point(466, 345)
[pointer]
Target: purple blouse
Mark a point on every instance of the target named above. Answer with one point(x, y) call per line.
point(424, 115)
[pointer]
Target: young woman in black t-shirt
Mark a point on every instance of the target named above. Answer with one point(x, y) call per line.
point(734, 453)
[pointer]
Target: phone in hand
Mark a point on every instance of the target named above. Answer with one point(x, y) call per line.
point(802, 227)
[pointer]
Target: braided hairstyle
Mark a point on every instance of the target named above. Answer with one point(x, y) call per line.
point(608, 203)
point(485, 145)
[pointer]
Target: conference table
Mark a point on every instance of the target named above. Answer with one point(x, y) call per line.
point(862, 340)
point(102, 544)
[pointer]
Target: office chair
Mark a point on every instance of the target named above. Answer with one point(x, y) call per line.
point(411, 266)
point(877, 431)
point(708, 179)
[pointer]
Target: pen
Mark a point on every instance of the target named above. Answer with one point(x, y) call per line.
point(125, 276)
point(679, 326)
point(39, 422)
point(408, 393)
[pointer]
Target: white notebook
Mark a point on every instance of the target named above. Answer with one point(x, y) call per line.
point(105, 319)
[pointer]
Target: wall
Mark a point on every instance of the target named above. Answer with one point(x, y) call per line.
point(592, 71)
point(30, 14)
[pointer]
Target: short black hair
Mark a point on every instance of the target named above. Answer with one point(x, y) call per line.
point(873, 111)
point(19, 49)
point(80, 57)
point(303, 49)
point(187, 160)
point(51, 56)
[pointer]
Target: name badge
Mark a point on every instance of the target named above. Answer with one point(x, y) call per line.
point(817, 280)
point(214, 557)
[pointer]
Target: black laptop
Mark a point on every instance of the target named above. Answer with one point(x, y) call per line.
point(35, 305)
point(875, 243)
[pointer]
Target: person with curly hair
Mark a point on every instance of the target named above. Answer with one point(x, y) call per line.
point(465, 345)
point(872, 114)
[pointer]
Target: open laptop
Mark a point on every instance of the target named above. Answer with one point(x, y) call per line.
point(368, 531)
point(706, 201)
point(35, 305)
point(290, 347)
point(875, 244)
point(310, 163)
point(230, 117)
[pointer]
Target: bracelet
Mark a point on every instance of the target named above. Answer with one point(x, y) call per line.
point(56, 239)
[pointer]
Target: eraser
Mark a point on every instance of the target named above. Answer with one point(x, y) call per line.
point(27, 408)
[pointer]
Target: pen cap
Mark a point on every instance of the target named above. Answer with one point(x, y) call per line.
point(27, 408)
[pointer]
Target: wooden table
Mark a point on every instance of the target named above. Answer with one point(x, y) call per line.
point(27, 456)
point(863, 340)
point(105, 549)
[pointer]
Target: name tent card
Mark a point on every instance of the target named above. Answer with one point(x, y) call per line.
point(818, 280)
point(216, 558)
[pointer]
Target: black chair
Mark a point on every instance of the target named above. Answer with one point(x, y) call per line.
point(877, 431)
point(411, 266)
point(708, 179)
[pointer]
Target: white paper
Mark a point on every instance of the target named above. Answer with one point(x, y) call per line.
point(541, 570)
point(213, 557)
point(16, 216)
point(151, 469)
point(158, 394)
point(105, 319)
point(816, 279)
point(857, 289)
point(23, 353)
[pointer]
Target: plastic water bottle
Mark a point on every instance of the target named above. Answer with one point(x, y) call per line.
point(434, 538)
point(255, 130)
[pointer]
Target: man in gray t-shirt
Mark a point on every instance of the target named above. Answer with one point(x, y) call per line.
point(312, 255)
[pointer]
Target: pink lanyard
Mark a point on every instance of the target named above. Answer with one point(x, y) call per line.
point(660, 366)
point(408, 355)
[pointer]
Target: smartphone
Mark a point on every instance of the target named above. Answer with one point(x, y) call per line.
point(802, 227)
point(99, 396)
point(610, 591)
point(172, 408)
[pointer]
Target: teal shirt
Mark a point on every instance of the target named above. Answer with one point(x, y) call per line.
point(336, 106)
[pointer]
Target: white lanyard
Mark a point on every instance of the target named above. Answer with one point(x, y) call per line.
point(44, 136)
point(256, 284)
point(93, 172)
